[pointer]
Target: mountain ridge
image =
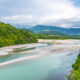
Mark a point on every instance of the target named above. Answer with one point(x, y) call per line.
point(68, 31)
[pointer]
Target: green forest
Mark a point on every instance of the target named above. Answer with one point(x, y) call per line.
point(75, 73)
point(10, 35)
point(59, 37)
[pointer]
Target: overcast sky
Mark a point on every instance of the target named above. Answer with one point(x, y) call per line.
point(63, 13)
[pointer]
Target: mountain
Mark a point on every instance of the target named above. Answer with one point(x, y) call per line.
point(10, 35)
point(69, 31)
point(22, 26)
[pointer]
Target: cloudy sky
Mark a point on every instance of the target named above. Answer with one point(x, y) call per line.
point(63, 13)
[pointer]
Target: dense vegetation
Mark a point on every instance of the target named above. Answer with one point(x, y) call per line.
point(75, 73)
point(44, 36)
point(52, 32)
point(9, 35)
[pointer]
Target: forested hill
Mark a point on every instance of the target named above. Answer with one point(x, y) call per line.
point(9, 35)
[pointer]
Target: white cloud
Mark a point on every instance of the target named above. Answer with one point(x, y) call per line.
point(48, 12)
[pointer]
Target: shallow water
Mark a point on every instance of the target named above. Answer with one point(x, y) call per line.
point(16, 53)
point(51, 67)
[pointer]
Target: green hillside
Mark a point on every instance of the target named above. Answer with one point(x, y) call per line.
point(75, 73)
point(9, 35)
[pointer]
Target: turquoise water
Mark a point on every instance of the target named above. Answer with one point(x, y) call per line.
point(51, 67)
point(16, 53)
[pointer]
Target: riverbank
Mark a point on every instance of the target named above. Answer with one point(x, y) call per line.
point(75, 73)
point(60, 45)
point(4, 51)
point(44, 52)
point(54, 41)
point(64, 46)
point(55, 49)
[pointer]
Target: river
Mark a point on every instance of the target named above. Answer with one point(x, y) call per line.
point(51, 67)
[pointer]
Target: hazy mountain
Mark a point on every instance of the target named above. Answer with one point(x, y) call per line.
point(42, 28)
point(22, 26)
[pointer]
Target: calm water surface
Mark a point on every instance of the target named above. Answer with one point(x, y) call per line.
point(52, 67)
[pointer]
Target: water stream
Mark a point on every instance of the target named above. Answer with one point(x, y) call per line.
point(52, 67)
